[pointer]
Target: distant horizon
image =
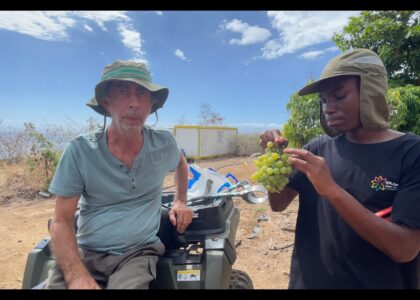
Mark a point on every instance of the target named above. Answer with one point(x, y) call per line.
point(42, 127)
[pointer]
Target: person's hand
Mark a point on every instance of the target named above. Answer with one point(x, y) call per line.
point(180, 215)
point(315, 168)
point(273, 135)
point(83, 282)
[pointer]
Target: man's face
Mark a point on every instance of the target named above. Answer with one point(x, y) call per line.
point(341, 103)
point(128, 103)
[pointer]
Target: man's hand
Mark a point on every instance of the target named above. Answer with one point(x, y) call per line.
point(180, 215)
point(315, 168)
point(83, 283)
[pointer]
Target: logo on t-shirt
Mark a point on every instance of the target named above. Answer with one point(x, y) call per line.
point(381, 183)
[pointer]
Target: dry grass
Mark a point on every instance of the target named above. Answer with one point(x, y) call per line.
point(17, 181)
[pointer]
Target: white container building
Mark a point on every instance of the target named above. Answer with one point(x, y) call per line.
point(206, 141)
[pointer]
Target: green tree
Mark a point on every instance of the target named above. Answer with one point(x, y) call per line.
point(394, 35)
point(404, 104)
point(303, 123)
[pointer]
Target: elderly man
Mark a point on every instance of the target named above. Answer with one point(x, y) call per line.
point(116, 177)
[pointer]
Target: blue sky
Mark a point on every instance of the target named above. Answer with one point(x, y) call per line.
point(244, 64)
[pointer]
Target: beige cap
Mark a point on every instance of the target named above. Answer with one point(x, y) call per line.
point(366, 64)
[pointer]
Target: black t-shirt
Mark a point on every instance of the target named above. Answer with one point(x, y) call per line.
point(328, 253)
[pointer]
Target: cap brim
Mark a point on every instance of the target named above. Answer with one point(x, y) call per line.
point(310, 88)
point(315, 86)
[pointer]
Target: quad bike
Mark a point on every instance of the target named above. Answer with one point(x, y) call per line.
point(201, 258)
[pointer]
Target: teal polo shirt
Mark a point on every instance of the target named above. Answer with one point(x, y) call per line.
point(119, 207)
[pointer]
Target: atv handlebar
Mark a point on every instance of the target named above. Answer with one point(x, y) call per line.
point(250, 194)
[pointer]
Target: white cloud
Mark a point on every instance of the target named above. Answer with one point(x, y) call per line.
point(131, 39)
point(300, 29)
point(158, 12)
point(334, 48)
point(179, 53)
point(40, 25)
point(55, 25)
point(312, 54)
point(102, 17)
point(250, 34)
point(87, 27)
point(317, 53)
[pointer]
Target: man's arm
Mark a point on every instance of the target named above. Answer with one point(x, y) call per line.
point(181, 215)
point(63, 238)
point(399, 243)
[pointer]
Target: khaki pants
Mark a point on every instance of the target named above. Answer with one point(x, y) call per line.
point(135, 269)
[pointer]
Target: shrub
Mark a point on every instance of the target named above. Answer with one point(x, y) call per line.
point(247, 144)
point(43, 157)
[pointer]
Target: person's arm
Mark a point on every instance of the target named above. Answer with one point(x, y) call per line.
point(398, 242)
point(64, 245)
point(278, 201)
point(181, 215)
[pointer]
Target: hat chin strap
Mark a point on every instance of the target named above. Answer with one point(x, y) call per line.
point(157, 119)
point(102, 131)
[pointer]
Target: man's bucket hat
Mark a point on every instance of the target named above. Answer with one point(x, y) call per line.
point(127, 71)
point(366, 64)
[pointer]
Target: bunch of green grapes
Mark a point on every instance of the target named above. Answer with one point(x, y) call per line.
point(273, 169)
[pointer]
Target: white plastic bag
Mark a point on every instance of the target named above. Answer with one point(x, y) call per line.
point(203, 181)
